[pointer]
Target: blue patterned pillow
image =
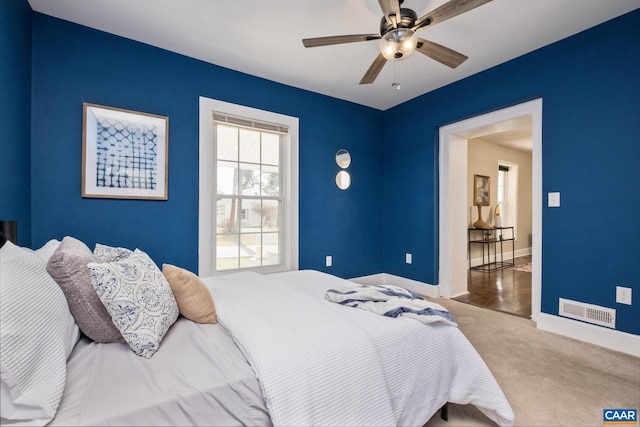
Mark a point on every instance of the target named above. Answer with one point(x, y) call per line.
point(138, 298)
point(104, 253)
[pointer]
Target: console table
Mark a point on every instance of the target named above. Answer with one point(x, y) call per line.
point(488, 238)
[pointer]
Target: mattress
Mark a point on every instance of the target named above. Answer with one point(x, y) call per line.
point(198, 377)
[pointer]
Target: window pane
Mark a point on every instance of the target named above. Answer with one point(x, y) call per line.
point(252, 216)
point(270, 215)
point(271, 249)
point(227, 138)
point(227, 216)
point(501, 186)
point(250, 179)
point(227, 178)
point(249, 146)
point(270, 181)
point(250, 250)
point(227, 251)
point(271, 149)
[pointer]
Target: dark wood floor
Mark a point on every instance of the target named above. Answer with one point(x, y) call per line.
point(505, 290)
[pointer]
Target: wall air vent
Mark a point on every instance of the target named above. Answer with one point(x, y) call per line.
point(602, 316)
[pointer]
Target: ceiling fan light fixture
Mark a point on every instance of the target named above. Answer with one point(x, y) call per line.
point(398, 44)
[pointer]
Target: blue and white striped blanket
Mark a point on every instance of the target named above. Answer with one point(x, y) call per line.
point(390, 301)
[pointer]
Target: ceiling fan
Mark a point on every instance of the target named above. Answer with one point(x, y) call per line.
point(398, 39)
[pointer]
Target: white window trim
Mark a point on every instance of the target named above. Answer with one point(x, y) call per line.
point(513, 194)
point(206, 231)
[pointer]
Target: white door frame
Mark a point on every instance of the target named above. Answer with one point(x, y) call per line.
point(453, 199)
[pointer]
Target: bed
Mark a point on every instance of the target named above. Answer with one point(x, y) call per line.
point(280, 354)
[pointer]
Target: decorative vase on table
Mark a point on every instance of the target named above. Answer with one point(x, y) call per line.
point(497, 220)
point(480, 223)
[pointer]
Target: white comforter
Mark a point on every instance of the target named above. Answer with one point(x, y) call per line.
point(320, 363)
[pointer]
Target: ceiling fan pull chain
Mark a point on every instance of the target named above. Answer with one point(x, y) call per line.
point(396, 75)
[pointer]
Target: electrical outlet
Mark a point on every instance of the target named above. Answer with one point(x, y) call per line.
point(623, 295)
point(329, 261)
point(408, 258)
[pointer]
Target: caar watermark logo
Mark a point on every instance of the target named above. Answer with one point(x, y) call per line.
point(620, 416)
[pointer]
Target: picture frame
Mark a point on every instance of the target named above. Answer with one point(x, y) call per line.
point(481, 190)
point(124, 153)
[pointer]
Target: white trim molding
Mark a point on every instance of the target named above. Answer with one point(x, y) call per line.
point(600, 336)
point(452, 278)
point(206, 231)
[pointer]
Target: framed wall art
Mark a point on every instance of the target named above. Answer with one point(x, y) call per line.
point(124, 153)
point(481, 190)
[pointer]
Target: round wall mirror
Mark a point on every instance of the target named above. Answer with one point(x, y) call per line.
point(343, 158)
point(343, 180)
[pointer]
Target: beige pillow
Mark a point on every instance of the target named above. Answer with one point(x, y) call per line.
point(194, 299)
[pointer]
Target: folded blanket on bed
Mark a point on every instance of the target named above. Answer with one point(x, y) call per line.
point(390, 301)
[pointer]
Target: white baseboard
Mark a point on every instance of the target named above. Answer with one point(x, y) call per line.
point(603, 337)
point(373, 279)
point(431, 291)
point(507, 256)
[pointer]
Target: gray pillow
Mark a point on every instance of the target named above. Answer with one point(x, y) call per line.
point(68, 267)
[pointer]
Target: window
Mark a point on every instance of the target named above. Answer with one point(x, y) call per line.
point(502, 179)
point(507, 195)
point(248, 189)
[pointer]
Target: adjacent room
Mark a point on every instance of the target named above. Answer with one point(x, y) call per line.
point(392, 212)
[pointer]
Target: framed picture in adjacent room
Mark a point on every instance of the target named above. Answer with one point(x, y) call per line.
point(481, 190)
point(124, 153)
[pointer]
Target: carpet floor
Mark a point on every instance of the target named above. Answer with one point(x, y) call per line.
point(548, 379)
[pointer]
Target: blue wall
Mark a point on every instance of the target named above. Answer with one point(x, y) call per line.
point(74, 64)
point(591, 154)
point(15, 115)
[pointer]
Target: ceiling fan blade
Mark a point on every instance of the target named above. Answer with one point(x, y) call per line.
point(442, 54)
point(447, 11)
point(325, 41)
point(373, 70)
point(391, 10)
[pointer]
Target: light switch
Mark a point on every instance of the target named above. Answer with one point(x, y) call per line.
point(554, 199)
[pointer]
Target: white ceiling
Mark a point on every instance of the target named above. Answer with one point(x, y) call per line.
point(514, 133)
point(263, 38)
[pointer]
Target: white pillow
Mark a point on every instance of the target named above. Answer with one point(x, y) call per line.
point(36, 337)
point(47, 249)
point(139, 299)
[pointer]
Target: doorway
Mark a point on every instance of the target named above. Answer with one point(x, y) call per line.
point(453, 209)
point(501, 281)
